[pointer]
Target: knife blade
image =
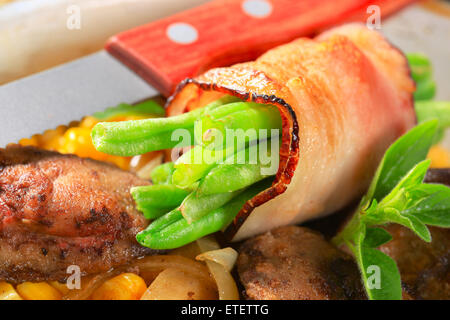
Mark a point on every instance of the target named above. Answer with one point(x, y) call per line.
point(163, 53)
point(78, 89)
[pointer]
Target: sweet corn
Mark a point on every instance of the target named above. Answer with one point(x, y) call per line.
point(33, 141)
point(88, 122)
point(440, 157)
point(121, 162)
point(61, 287)
point(77, 140)
point(7, 292)
point(38, 291)
point(126, 286)
point(52, 139)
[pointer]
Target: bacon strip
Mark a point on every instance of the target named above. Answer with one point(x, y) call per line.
point(344, 97)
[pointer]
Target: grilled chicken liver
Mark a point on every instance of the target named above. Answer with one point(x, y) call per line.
point(60, 210)
point(297, 263)
point(292, 263)
point(424, 267)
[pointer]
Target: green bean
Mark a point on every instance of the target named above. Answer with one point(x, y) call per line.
point(254, 118)
point(153, 213)
point(162, 174)
point(159, 196)
point(229, 177)
point(147, 108)
point(195, 164)
point(227, 99)
point(425, 89)
point(155, 200)
point(421, 72)
point(128, 138)
point(226, 109)
point(440, 110)
point(194, 206)
point(420, 66)
point(164, 221)
point(180, 232)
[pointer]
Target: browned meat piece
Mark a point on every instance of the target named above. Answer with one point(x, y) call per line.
point(297, 263)
point(441, 175)
point(424, 267)
point(60, 210)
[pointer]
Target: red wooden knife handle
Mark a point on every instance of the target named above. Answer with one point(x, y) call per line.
point(220, 33)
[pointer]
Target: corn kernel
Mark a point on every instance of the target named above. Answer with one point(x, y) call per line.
point(440, 157)
point(121, 162)
point(126, 118)
point(52, 139)
point(126, 286)
point(78, 141)
point(88, 122)
point(33, 141)
point(38, 291)
point(61, 287)
point(7, 292)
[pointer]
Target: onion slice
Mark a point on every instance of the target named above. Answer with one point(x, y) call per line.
point(226, 257)
point(219, 262)
point(146, 170)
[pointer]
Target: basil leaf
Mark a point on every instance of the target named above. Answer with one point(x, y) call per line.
point(419, 228)
point(399, 198)
point(433, 206)
point(412, 179)
point(380, 274)
point(400, 158)
point(376, 237)
point(409, 221)
point(440, 110)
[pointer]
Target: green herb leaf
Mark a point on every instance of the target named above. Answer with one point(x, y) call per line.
point(376, 237)
point(433, 206)
point(399, 198)
point(400, 158)
point(381, 275)
point(397, 195)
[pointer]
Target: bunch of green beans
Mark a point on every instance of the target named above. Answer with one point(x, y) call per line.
point(250, 121)
point(202, 191)
point(426, 108)
point(134, 137)
point(172, 231)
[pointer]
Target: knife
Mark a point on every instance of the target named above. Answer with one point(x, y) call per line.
point(141, 63)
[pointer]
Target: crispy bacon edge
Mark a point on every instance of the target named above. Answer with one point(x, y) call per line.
point(289, 148)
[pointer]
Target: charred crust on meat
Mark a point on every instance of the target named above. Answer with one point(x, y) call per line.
point(125, 220)
point(46, 221)
point(102, 216)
